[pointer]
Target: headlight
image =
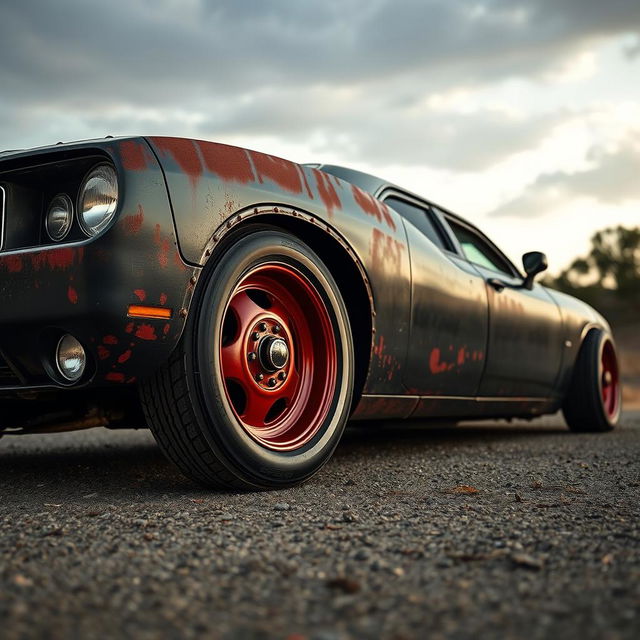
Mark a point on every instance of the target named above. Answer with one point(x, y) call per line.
point(59, 217)
point(98, 199)
point(70, 358)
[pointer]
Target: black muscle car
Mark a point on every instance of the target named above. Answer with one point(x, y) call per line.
point(246, 307)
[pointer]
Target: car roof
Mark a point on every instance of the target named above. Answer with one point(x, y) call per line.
point(375, 185)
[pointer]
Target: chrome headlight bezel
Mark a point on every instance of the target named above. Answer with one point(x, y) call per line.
point(106, 174)
point(64, 198)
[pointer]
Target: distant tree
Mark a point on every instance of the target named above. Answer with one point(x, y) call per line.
point(612, 263)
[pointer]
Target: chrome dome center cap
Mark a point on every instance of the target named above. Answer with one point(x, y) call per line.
point(274, 354)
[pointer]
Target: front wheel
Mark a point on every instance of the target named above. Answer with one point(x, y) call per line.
point(593, 402)
point(258, 393)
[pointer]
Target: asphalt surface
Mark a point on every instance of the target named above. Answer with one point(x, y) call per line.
point(489, 531)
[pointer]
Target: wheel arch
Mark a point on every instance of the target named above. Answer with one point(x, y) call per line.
point(337, 255)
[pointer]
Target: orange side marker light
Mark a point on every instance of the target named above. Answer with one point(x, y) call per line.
point(140, 311)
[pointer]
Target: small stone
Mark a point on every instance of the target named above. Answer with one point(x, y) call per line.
point(282, 506)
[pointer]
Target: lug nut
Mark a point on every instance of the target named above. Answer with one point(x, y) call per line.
point(252, 356)
point(259, 377)
point(262, 326)
point(282, 375)
point(276, 329)
point(272, 382)
point(255, 336)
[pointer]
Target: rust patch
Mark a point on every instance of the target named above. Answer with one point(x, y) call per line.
point(303, 175)
point(110, 340)
point(177, 260)
point(140, 294)
point(163, 247)
point(133, 155)
point(231, 164)
point(62, 258)
point(327, 192)
point(124, 356)
point(133, 222)
point(103, 352)
point(373, 207)
point(283, 172)
point(146, 332)
point(436, 365)
point(385, 360)
point(385, 252)
point(166, 328)
point(163, 298)
point(112, 376)
point(185, 154)
point(13, 263)
point(72, 294)
point(129, 327)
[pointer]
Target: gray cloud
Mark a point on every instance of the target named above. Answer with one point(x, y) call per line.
point(203, 68)
point(611, 179)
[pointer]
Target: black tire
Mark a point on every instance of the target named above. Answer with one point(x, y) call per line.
point(190, 407)
point(593, 402)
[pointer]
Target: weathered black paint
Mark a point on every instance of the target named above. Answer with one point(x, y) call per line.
point(444, 341)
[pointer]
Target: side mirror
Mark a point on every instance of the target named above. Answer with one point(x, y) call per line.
point(534, 263)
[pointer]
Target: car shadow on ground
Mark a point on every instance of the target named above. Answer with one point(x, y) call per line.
point(118, 463)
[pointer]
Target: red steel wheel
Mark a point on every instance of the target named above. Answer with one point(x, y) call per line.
point(258, 392)
point(593, 401)
point(278, 356)
point(610, 379)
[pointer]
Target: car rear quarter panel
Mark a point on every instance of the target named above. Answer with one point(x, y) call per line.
point(577, 319)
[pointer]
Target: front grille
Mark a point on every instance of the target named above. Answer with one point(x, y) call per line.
point(8, 377)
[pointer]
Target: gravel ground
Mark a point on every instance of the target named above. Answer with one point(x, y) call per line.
point(492, 530)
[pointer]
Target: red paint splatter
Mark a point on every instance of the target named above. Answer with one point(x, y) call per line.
point(461, 356)
point(110, 339)
point(166, 328)
point(163, 298)
point(133, 155)
point(435, 365)
point(72, 294)
point(283, 172)
point(146, 332)
point(62, 258)
point(385, 252)
point(140, 294)
point(114, 377)
point(184, 153)
point(133, 222)
point(373, 207)
point(13, 263)
point(124, 356)
point(103, 353)
point(229, 163)
point(327, 192)
point(129, 327)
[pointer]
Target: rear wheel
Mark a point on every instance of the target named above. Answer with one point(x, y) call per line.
point(258, 392)
point(593, 402)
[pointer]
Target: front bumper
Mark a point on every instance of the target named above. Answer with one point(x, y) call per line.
point(87, 288)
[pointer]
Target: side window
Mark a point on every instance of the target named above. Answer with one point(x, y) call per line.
point(421, 218)
point(476, 250)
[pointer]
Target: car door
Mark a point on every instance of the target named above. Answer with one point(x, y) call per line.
point(449, 317)
point(525, 326)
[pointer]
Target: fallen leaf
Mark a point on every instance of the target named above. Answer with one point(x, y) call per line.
point(464, 488)
point(527, 561)
point(348, 585)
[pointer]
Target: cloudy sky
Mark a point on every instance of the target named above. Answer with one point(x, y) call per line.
point(521, 115)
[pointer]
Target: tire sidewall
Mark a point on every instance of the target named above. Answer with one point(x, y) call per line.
point(243, 455)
